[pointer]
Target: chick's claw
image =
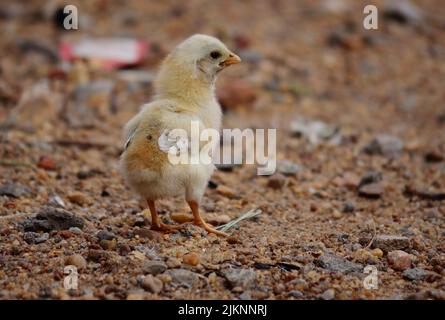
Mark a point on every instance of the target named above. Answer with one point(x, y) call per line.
point(209, 229)
point(165, 227)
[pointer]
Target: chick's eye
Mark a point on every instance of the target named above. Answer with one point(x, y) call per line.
point(215, 54)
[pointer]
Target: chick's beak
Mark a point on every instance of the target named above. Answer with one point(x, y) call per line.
point(232, 59)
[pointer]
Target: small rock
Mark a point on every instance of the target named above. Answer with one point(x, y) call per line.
point(419, 274)
point(152, 284)
point(108, 244)
point(105, 235)
point(191, 259)
point(400, 260)
point(66, 234)
point(348, 207)
point(370, 177)
point(154, 267)
point(296, 294)
point(276, 181)
point(384, 145)
point(148, 234)
point(76, 260)
point(79, 198)
point(315, 131)
point(35, 238)
point(217, 219)
point(56, 201)
point(14, 190)
point(338, 264)
point(226, 191)
point(328, 294)
point(181, 217)
point(371, 191)
point(434, 156)
point(233, 240)
point(173, 262)
point(75, 230)
point(364, 256)
point(377, 253)
point(46, 163)
point(236, 94)
point(336, 214)
point(50, 218)
point(287, 168)
point(403, 12)
point(244, 278)
point(390, 243)
point(183, 277)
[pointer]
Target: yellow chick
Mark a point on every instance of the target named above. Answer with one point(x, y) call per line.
point(185, 92)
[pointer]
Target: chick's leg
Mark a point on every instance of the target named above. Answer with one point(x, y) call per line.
point(156, 224)
point(199, 221)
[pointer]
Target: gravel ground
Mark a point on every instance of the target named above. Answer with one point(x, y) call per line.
point(359, 114)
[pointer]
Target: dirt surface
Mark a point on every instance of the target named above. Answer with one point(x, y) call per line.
point(365, 188)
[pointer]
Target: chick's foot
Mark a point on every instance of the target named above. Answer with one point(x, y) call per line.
point(209, 229)
point(165, 227)
point(199, 221)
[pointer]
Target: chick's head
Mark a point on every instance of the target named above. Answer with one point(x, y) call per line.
point(205, 54)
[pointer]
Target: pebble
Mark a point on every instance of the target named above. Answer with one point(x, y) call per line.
point(148, 234)
point(191, 259)
point(226, 191)
point(404, 12)
point(236, 94)
point(296, 294)
point(371, 191)
point(364, 256)
point(152, 284)
point(348, 207)
point(336, 214)
point(434, 156)
point(338, 264)
point(154, 267)
point(183, 277)
point(35, 238)
point(50, 218)
point(287, 168)
point(328, 294)
point(105, 235)
point(76, 260)
point(217, 219)
point(370, 177)
point(79, 198)
point(173, 262)
point(181, 217)
point(46, 163)
point(400, 260)
point(75, 230)
point(390, 243)
point(385, 145)
point(14, 190)
point(276, 181)
point(244, 278)
point(377, 253)
point(418, 274)
point(108, 244)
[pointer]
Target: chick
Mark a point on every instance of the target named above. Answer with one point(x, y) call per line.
point(185, 92)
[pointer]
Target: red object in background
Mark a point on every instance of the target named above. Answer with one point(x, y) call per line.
point(46, 163)
point(108, 53)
